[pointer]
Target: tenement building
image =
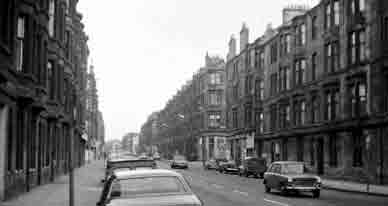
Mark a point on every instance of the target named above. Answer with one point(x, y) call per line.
point(315, 89)
point(193, 121)
point(43, 58)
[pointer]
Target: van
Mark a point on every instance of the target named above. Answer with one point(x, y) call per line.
point(253, 166)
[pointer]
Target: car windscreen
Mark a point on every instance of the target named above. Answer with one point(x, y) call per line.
point(146, 185)
point(179, 158)
point(292, 168)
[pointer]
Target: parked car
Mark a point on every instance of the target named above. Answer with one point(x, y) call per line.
point(179, 161)
point(253, 166)
point(156, 156)
point(147, 187)
point(228, 167)
point(127, 164)
point(287, 176)
point(211, 164)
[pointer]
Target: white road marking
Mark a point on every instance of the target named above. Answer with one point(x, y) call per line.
point(242, 193)
point(276, 202)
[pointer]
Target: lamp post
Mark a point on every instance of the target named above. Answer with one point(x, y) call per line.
point(71, 167)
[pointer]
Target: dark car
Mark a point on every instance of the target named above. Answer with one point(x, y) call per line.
point(147, 188)
point(179, 162)
point(228, 167)
point(253, 166)
point(127, 164)
point(287, 176)
point(211, 164)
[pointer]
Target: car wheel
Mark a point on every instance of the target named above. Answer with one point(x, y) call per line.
point(256, 176)
point(283, 190)
point(262, 175)
point(316, 193)
point(267, 189)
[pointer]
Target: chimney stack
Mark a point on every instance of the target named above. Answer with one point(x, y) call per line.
point(244, 37)
point(232, 48)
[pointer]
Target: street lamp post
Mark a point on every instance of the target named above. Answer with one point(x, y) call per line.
point(71, 168)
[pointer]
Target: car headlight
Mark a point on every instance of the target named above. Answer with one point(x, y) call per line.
point(319, 180)
point(289, 179)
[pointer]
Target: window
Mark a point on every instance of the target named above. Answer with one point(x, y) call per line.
point(314, 67)
point(67, 44)
point(284, 78)
point(385, 29)
point(20, 43)
point(336, 12)
point(261, 60)
point(248, 115)
point(274, 80)
point(20, 141)
point(301, 35)
point(299, 112)
point(332, 14)
point(235, 92)
point(50, 79)
point(259, 90)
point(51, 22)
point(147, 185)
point(327, 16)
point(332, 57)
point(274, 52)
point(357, 7)
point(273, 117)
point(215, 78)
point(285, 44)
point(5, 23)
point(252, 58)
point(314, 27)
point(357, 47)
point(248, 85)
point(300, 71)
point(333, 153)
point(359, 140)
point(315, 109)
point(358, 99)
point(288, 44)
point(259, 121)
point(332, 106)
point(214, 119)
point(284, 116)
point(235, 118)
point(312, 152)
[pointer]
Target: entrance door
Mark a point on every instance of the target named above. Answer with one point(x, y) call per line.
point(320, 156)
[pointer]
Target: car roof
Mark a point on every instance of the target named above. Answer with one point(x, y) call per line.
point(145, 173)
point(129, 160)
point(287, 162)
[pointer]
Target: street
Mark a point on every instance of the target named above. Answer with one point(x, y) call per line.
point(217, 189)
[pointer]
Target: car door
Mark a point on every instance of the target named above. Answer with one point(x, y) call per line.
point(275, 176)
point(269, 176)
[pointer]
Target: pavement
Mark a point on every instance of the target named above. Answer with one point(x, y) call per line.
point(87, 189)
point(345, 186)
point(222, 189)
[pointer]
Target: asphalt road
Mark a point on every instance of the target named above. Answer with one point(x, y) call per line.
point(217, 189)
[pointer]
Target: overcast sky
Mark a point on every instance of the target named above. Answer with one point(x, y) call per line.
point(145, 50)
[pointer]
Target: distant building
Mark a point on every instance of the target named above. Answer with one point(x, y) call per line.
point(129, 142)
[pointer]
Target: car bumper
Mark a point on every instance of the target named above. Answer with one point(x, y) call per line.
point(231, 170)
point(180, 166)
point(303, 188)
